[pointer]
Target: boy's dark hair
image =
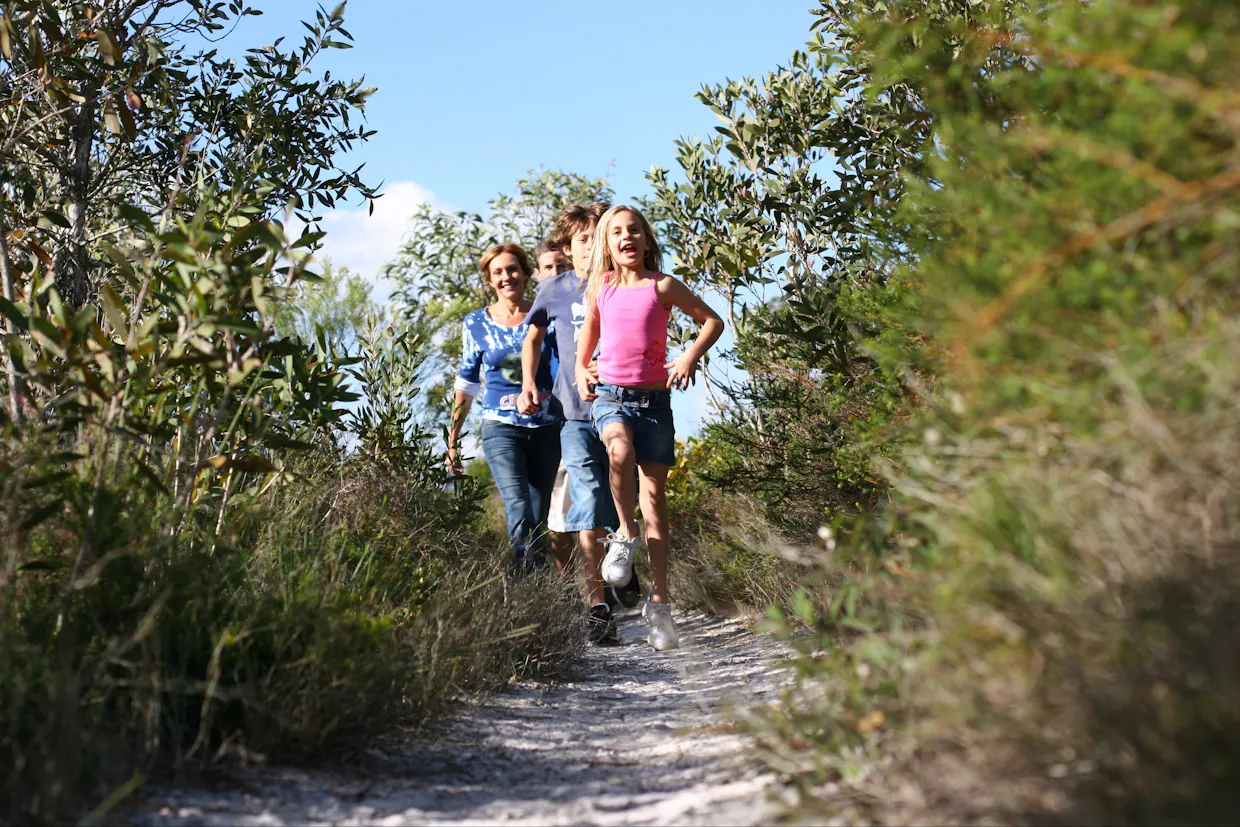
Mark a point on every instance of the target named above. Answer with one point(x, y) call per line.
point(548, 246)
point(573, 220)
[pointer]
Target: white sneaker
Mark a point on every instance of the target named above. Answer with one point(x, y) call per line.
point(618, 562)
point(662, 635)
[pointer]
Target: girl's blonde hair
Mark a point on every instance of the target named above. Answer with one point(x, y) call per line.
point(601, 263)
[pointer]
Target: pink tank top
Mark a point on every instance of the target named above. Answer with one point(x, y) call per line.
point(632, 335)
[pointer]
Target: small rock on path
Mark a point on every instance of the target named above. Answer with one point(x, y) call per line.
point(637, 738)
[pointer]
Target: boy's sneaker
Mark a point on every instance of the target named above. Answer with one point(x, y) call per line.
point(662, 634)
point(627, 596)
point(601, 626)
point(618, 562)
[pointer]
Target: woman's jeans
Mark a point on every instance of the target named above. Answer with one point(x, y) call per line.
point(523, 462)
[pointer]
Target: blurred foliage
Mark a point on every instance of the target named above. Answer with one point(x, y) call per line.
point(1041, 624)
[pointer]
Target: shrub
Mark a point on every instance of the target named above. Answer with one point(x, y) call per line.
point(334, 606)
point(724, 552)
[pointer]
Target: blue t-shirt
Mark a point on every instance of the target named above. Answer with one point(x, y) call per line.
point(491, 365)
point(555, 353)
point(561, 300)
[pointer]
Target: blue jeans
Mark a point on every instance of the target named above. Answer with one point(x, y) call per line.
point(585, 459)
point(523, 462)
point(648, 414)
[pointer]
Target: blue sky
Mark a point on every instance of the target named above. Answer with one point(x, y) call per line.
point(472, 94)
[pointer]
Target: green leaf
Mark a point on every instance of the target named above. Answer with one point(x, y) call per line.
point(115, 311)
point(42, 513)
point(307, 239)
point(11, 312)
point(136, 216)
point(123, 266)
point(803, 606)
point(153, 478)
point(263, 232)
point(82, 319)
point(46, 479)
point(57, 218)
point(285, 443)
point(49, 564)
point(47, 335)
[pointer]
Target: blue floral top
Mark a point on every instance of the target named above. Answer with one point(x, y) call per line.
point(491, 367)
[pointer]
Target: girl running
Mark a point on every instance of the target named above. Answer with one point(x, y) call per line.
point(628, 304)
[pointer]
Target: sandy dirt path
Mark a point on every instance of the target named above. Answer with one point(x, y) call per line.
point(638, 738)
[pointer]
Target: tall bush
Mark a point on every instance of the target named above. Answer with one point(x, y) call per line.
point(788, 216)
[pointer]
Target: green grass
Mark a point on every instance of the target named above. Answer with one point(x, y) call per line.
point(349, 598)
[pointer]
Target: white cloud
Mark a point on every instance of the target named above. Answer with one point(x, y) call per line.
point(363, 242)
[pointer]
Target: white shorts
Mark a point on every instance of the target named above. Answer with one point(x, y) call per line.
point(560, 501)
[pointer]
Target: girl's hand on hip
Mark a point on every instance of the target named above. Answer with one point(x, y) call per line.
point(682, 371)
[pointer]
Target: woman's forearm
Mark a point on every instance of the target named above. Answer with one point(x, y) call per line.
point(461, 403)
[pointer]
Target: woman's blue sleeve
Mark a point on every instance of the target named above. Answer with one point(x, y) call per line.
point(469, 377)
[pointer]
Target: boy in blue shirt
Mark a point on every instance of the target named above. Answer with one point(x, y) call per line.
point(561, 301)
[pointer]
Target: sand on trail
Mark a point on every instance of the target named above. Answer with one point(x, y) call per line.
point(638, 737)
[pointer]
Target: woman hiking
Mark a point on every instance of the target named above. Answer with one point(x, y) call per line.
point(523, 450)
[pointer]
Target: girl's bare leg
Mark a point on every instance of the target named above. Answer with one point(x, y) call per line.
point(658, 530)
point(620, 455)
